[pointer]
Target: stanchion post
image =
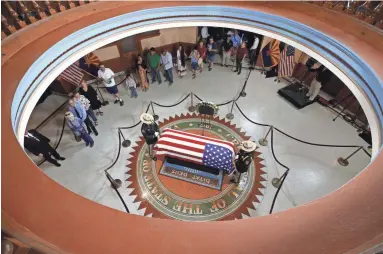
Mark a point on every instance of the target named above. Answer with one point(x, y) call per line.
point(276, 182)
point(191, 107)
point(230, 115)
point(344, 161)
point(263, 141)
point(243, 93)
point(116, 182)
point(156, 117)
point(125, 142)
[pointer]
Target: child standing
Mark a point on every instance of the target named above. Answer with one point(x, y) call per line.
point(131, 84)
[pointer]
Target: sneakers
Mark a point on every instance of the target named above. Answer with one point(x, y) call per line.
point(91, 144)
point(239, 73)
point(121, 102)
point(116, 101)
point(96, 133)
point(193, 77)
point(61, 158)
point(210, 68)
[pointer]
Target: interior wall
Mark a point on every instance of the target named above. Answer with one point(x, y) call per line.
point(171, 35)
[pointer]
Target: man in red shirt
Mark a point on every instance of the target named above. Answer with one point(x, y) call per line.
point(241, 53)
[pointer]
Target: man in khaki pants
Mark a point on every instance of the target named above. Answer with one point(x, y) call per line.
point(226, 50)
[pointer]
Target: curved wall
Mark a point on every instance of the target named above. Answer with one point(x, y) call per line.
point(62, 218)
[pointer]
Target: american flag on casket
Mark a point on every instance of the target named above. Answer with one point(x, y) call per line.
point(195, 148)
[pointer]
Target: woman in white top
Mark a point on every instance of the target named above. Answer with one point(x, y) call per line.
point(181, 61)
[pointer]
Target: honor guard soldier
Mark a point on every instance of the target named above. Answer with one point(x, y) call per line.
point(243, 159)
point(149, 130)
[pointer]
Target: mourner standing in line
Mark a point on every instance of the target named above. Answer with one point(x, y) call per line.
point(211, 51)
point(167, 62)
point(78, 128)
point(253, 51)
point(131, 85)
point(86, 103)
point(202, 55)
point(149, 130)
point(153, 59)
point(91, 94)
point(243, 159)
point(38, 144)
point(142, 71)
point(241, 53)
point(226, 50)
point(107, 76)
point(181, 61)
point(79, 111)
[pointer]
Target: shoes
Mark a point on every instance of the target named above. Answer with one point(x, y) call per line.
point(96, 133)
point(91, 144)
point(239, 73)
point(116, 101)
point(193, 77)
point(153, 81)
point(86, 144)
point(61, 158)
point(222, 65)
point(96, 123)
point(226, 65)
point(209, 68)
point(235, 70)
point(170, 83)
point(121, 103)
point(57, 164)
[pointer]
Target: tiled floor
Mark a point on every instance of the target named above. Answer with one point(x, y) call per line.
point(314, 170)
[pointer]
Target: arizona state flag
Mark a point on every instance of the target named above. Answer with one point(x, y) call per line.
point(271, 54)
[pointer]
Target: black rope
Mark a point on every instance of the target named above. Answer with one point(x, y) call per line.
point(197, 97)
point(134, 125)
point(296, 139)
point(119, 151)
point(126, 76)
point(118, 193)
point(368, 154)
point(283, 176)
point(169, 106)
point(54, 112)
point(225, 103)
point(248, 119)
point(58, 143)
point(278, 190)
point(313, 144)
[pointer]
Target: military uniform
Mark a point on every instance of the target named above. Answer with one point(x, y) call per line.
point(149, 133)
point(242, 163)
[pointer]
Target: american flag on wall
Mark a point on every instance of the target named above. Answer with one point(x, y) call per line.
point(195, 148)
point(286, 64)
point(72, 74)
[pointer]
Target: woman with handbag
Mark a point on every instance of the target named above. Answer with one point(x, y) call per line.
point(142, 74)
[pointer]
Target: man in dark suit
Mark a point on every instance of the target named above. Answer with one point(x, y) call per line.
point(38, 144)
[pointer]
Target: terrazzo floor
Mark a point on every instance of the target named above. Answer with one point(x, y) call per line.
point(314, 170)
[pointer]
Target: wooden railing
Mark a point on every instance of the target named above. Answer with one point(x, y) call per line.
point(370, 12)
point(16, 15)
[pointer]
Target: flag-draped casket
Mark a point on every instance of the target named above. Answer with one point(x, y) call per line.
point(198, 149)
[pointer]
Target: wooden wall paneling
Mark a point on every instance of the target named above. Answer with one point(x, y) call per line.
point(33, 5)
point(15, 17)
